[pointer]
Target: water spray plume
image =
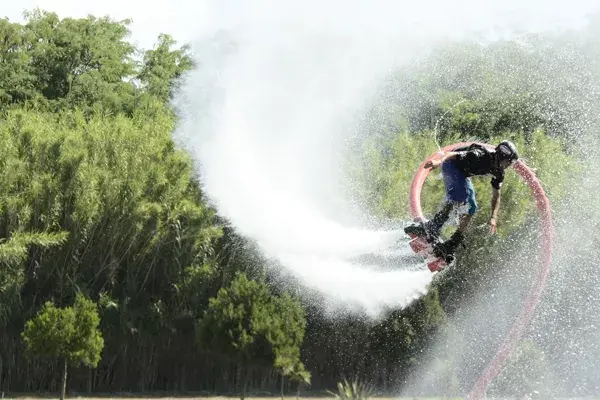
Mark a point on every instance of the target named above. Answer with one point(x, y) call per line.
point(280, 87)
point(269, 110)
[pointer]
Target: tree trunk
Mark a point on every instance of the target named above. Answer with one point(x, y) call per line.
point(282, 386)
point(182, 378)
point(64, 380)
point(1, 371)
point(89, 381)
point(240, 381)
point(246, 375)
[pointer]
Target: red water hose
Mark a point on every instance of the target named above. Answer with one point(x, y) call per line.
point(535, 293)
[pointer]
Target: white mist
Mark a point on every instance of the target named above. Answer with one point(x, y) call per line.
point(278, 87)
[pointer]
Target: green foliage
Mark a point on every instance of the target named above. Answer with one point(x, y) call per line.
point(116, 186)
point(95, 198)
point(387, 179)
point(287, 337)
point(13, 254)
point(18, 80)
point(524, 372)
point(506, 86)
point(246, 323)
point(289, 325)
point(291, 367)
point(385, 172)
point(235, 318)
point(353, 391)
point(69, 332)
point(84, 63)
point(164, 67)
point(49, 333)
point(87, 343)
point(299, 374)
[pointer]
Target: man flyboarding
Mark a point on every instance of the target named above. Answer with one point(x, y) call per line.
point(457, 168)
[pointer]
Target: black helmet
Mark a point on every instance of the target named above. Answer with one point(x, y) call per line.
point(506, 150)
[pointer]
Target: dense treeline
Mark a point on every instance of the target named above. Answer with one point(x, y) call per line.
point(116, 273)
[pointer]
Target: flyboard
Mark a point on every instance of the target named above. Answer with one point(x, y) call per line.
point(420, 246)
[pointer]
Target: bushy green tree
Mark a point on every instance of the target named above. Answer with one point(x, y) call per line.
point(85, 63)
point(70, 334)
point(17, 80)
point(163, 68)
point(247, 325)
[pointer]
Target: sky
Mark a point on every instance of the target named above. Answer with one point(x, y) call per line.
point(184, 19)
point(177, 18)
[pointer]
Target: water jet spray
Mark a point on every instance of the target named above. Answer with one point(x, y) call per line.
point(533, 298)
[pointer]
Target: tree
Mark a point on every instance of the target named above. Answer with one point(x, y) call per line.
point(83, 62)
point(70, 334)
point(17, 81)
point(292, 368)
point(163, 68)
point(288, 334)
point(301, 376)
point(247, 325)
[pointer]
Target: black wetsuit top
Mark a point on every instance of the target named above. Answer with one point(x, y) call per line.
point(476, 160)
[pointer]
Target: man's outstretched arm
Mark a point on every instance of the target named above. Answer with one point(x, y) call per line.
point(437, 162)
point(495, 208)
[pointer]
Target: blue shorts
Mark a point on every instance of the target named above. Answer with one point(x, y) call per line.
point(459, 188)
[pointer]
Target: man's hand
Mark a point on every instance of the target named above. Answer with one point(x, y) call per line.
point(442, 156)
point(432, 164)
point(492, 224)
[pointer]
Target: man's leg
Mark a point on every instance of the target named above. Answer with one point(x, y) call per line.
point(456, 194)
point(431, 229)
point(434, 226)
point(465, 219)
point(448, 248)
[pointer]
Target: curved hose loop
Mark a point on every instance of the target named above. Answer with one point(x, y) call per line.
point(535, 292)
